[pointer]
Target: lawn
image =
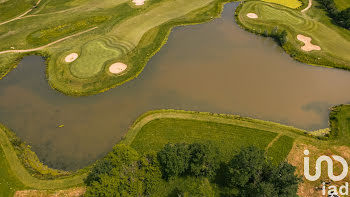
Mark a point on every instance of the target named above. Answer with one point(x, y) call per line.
point(342, 4)
point(227, 138)
point(314, 24)
point(340, 124)
point(8, 181)
point(93, 57)
point(10, 9)
point(280, 148)
point(288, 3)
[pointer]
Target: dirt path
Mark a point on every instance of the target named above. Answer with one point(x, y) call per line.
point(20, 16)
point(43, 47)
point(308, 6)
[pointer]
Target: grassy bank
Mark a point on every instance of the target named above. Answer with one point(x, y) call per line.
point(228, 133)
point(20, 174)
point(314, 23)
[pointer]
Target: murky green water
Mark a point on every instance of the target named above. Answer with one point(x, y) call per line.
point(214, 67)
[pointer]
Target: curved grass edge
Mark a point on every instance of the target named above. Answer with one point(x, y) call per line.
point(213, 117)
point(290, 49)
point(29, 180)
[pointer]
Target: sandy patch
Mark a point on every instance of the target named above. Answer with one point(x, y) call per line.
point(71, 57)
point(307, 41)
point(139, 2)
point(117, 68)
point(74, 192)
point(252, 15)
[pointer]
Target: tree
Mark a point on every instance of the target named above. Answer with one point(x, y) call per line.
point(123, 173)
point(254, 175)
point(174, 159)
point(203, 160)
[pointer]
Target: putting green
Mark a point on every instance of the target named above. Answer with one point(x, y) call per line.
point(333, 41)
point(93, 57)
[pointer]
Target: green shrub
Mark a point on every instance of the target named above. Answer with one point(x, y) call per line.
point(123, 172)
point(254, 175)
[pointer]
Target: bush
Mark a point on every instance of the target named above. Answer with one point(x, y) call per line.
point(174, 159)
point(199, 187)
point(123, 173)
point(341, 18)
point(195, 160)
point(203, 160)
point(254, 175)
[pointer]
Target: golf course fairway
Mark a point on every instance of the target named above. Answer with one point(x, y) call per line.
point(91, 46)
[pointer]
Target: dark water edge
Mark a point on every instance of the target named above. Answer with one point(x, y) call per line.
point(213, 67)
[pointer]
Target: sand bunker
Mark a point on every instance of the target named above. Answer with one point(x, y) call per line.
point(117, 68)
point(71, 57)
point(307, 41)
point(138, 2)
point(252, 15)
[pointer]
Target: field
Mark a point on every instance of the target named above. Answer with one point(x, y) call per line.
point(312, 23)
point(8, 182)
point(288, 3)
point(342, 4)
point(163, 131)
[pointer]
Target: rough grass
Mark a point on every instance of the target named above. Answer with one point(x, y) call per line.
point(340, 124)
point(342, 4)
point(11, 8)
point(288, 3)
point(55, 32)
point(280, 149)
point(227, 138)
point(8, 181)
point(333, 40)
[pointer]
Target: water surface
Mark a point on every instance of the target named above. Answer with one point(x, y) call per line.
point(215, 67)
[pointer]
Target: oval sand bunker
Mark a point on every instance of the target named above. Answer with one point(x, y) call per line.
point(117, 68)
point(71, 57)
point(139, 2)
point(252, 15)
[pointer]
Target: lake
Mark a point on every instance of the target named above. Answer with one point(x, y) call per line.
point(213, 67)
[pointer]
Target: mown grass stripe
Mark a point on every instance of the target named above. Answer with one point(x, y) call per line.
point(280, 149)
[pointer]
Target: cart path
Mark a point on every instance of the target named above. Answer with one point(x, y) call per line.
point(20, 16)
point(308, 6)
point(43, 47)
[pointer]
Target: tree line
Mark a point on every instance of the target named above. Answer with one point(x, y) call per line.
point(124, 172)
point(341, 18)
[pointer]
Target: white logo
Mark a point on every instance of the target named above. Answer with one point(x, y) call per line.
point(332, 190)
point(330, 167)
